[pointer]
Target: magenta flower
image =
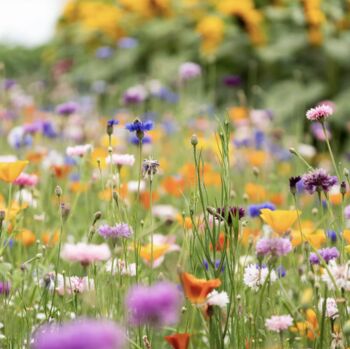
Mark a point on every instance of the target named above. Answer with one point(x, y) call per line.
point(156, 305)
point(320, 112)
point(279, 323)
point(274, 247)
point(26, 180)
point(80, 334)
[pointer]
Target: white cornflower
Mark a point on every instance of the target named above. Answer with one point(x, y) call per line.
point(341, 276)
point(331, 307)
point(255, 276)
point(218, 298)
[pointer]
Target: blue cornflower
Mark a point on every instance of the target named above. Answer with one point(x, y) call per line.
point(259, 138)
point(332, 235)
point(140, 126)
point(281, 271)
point(136, 141)
point(217, 265)
point(48, 130)
point(254, 210)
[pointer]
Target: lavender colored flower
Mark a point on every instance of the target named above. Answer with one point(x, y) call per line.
point(80, 334)
point(104, 52)
point(281, 271)
point(274, 247)
point(189, 71)
point(127, 43)
point(318, 180)
point(156, 305)
point(140, 126)
point(347, 212)
point(9, 83)
point(232, 80)
point(229, 214)
point(135, 95)
point(254, 210)
point(121, 230)
point(5, 288)
point(328, 254)
point(313, 258)
point(67, 108)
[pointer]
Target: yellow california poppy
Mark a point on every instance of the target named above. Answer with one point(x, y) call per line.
point(280, 220)
point(9, 171)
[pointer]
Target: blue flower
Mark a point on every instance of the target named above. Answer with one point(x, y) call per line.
point(136, 141)
point(140, 126)
point(254, 210)
point(217, 265)
point(112, 122)
point(332, 235)
point(281, 271)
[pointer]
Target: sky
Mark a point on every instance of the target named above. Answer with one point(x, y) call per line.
point(28, 22)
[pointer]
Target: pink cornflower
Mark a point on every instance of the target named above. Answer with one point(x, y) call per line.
point(78, 150)
point(274, 246)
point(278, 323)
point(121, 159)
point(320, 112)
point(85, 253)
point(26, 180)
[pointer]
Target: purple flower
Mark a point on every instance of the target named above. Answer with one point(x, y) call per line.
point(347, 212)
point(135, 95)
point(80, 334)
point(104, 52)
point(254, 210)
point(145, 140)
point(318, 180)
point(156, 305)
point(327, 254)
point(274, 247)
point(140, 126)
point(232, 81)
point(332, 235)
point(281, 271)
point(189, 71)
point(229, 214)
point(313, 258)
point(127, 42)
point(121, 230)
point(5, 288)
point(67, 108)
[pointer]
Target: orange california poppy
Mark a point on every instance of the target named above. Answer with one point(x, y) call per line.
point(256, 193)
point(145, 198)
point(279, 220)
point(60, 171)
point(220, 243)
point(49, 239)
point(178, 340)
point(173, 185)
point(9, 171)
point(196, 290)
point(26, 237)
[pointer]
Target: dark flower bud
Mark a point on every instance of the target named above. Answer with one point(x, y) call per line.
point(343, 188)
point(293, 184)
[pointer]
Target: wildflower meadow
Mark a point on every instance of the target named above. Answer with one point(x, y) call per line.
point(176, 175)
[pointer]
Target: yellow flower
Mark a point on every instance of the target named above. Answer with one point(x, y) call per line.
point(347, 248)
point(9, 171)
point(280, 220)
point(211, 29)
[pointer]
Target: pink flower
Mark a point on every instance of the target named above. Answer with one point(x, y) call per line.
point(85, 253)
point(121, 159)
point(26, 180)
point(320, 112)
point(78, 150)
point(74, 284)
point(279, 323)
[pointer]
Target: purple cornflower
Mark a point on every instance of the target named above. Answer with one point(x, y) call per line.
point(67, 108)
point(5, 288)
point(327, 254)
point(320, 112)
point(229, 214)
point(254, 210)
point(318, 180)
point(156, 305)
point(274, 247)
point(232, 80)
point(189, 71)
point(80, 334)
point(121, 230)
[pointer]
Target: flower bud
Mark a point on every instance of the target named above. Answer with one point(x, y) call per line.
point(58, 191)
point(194, 140)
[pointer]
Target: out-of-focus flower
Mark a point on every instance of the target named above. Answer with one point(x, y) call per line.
point(255, 276)
point(104, 52)
point(66, 109)
point(156, 305)
point(178, 340)
point(331, 307)
point(255, 210)
point(135, 95)
point(18, 138)
point(5, 288)
point(26, 180)
point(120, 230)
point(280, 220)
point(85, 253)
point(279, 323)
point(232, 80)
point(9, 171)
point(119, 266)
point(197, 290)
point(140, 126)
point(74, 285)
point(189, 71)
point(319, 113)
point(211, 30)
point(121, 159)
point(79, 150)
point(80, 334)
point(150, 168)
point(341, 276)
point(127, 43)
point(274, 247)
point(327, 254)
point(318, 180)
point(347, 212)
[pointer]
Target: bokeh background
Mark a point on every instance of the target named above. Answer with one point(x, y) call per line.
point(283, 55)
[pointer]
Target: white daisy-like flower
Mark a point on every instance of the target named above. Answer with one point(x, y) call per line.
point(255, 276)
point(331, 307)
point(218, 298)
